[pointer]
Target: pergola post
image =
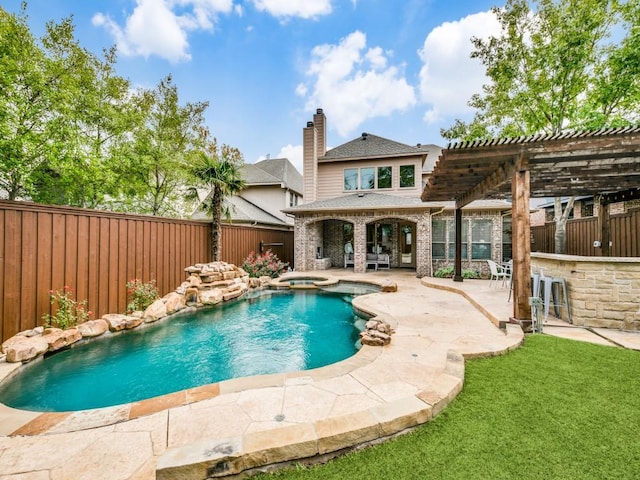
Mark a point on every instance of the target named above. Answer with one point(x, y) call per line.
point(521, 244)
point(457, 274)
point(604, 222)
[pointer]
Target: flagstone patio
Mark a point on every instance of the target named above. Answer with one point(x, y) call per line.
point(242, 424)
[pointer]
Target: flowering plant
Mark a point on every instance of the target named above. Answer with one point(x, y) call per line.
point(265, 264)
point(140, 295)
point(67, 311)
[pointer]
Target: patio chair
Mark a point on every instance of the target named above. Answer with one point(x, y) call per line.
point(348, 260)
point(508, 270)
point(497, 272)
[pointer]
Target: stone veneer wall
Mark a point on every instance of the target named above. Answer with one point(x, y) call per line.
point(603, 291)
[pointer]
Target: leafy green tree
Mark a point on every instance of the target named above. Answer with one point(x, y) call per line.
point(554, 67)
point(63, 112)
point(29, 88)
point(165, 143)
point(101, 111)
point(219, 169)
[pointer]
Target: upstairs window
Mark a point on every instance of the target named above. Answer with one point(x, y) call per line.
point(384, 177)
point(407, 176)
point(350, 178)
point(367, 178)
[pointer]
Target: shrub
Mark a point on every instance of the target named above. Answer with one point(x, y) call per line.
point(470, 274)
point(140, 295)
point(266, 264)
point(444, 272)
point(68, 312)
point(447, 272)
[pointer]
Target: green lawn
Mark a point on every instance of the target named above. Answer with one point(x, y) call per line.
point(553, 409)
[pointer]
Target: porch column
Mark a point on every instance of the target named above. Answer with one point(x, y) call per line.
point(521, 244)
point(359, 246)
point(423, 246)
point(300, 240)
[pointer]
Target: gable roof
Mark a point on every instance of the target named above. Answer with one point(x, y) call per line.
point(368, 146)
point(433, 152)
point(276, 171)
point(243, 211)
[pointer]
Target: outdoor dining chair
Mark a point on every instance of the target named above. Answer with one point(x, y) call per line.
point(497, 272)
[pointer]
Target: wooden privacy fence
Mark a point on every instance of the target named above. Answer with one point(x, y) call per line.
point(96, 253)
point(44, 248)
point(240, 240)
point(582, 232)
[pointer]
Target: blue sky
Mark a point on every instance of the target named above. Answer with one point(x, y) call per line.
point(397, 69)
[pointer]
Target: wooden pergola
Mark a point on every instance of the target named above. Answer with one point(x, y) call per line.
point(604, 163)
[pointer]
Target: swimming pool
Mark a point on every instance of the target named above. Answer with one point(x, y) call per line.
point(271, 333)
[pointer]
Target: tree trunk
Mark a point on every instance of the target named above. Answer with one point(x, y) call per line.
point(560, 217)
point(216, 227)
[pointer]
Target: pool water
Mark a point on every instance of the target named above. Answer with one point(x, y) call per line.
point(279, 332)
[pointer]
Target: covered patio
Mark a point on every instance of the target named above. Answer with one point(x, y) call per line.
point(603, 163)
point(364, 231)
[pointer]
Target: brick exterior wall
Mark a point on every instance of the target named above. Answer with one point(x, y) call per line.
point(603, 292)
point(480, 266)
point(325, 230)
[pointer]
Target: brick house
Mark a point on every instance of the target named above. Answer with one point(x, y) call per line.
point(362, 209)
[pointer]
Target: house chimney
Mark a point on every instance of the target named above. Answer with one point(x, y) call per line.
point(309, 162)
point(320, 121)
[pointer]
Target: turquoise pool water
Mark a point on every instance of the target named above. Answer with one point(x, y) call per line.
point(278, 332)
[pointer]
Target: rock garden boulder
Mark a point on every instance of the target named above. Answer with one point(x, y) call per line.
point(93, 328)
point(23, 349)
point(119, 322)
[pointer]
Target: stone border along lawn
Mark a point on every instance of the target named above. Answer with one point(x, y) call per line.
point(208, 284)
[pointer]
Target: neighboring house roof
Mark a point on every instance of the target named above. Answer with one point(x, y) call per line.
point(377, 201)
point(369, 146)
point(276, 171)
point(564, 200)
point(243, 211)
point(433, 153)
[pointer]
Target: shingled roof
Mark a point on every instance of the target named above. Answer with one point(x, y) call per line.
point(276, 171)
point(379, 201)
point(242, 211)
point(368, 146)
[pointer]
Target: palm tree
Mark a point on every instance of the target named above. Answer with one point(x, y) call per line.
point(220, 171)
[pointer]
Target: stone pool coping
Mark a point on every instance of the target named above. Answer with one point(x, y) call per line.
point(249, 423)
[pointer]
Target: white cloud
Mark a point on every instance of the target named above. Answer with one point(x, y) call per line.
point(294, 8)
point(449, 77)
point(294, 154)
point(154, 27)
point(354, 83)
